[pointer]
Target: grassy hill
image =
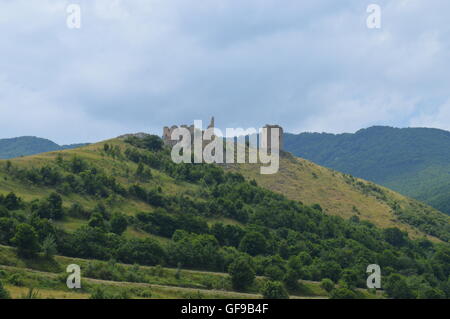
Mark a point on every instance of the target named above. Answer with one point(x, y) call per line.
point(345, 196)
point(123, 201)
point(412, 161)
point(29, 145)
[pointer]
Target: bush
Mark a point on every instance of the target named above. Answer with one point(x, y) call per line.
point(327, 285)
point(49, 247)
point(26, 241)
point(396, 287)
point(119, 224)
point(343, 293)
point(274, 290)
point(4, 294)
point(242, 274)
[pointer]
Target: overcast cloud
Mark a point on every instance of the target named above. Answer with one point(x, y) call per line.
point(137, 65)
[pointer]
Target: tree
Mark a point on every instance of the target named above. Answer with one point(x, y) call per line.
point(428, 292)
point(97, 221)
point(142, 251)
point(274, 290)
point(291, 280)
point(327, 284)
point(4, 212)
point(119, 224)
point(242, 274)
point(350, 277)
point(4, 294)
point(343, 293)
point(26, 241)
point(152, 142)
point(49, 247)
point(395, 236)
point(55, 203)
point(253, 243)
point(12, 202)
point(396, 287)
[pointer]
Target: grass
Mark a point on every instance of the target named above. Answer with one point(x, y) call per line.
point(48, 279)
point(337, 193)
point(298, 179)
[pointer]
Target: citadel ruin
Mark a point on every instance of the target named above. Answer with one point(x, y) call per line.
point(264, 136)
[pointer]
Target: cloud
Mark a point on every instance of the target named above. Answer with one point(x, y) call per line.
point(137, 65)
point(439, 118)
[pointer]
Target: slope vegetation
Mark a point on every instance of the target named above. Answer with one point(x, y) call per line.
point(346, 196)
point(124, 201)
point(412, 161)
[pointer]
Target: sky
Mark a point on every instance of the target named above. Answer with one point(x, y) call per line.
point(139, 65)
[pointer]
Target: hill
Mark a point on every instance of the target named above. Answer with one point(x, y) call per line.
point(124, 201)
point(343, 195)
point(412, 161)
point(29, 145)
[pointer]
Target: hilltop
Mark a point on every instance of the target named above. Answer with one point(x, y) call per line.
point(125, 201)
point(30, 145)
point(412, 161)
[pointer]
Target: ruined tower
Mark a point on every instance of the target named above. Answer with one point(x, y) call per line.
point(266, 141)
point(167, 132)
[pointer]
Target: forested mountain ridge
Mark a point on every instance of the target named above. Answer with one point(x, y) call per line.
point(125, 200)
point(29, 145)
point(412, 161)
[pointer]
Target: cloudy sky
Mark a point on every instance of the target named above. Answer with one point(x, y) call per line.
point(137, 65)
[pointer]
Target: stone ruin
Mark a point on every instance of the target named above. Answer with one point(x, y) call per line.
point(265, 143)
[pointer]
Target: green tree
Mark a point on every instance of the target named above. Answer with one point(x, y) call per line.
point(12, 202)
point(396, 287)
point(253, 243)
point(242, 274)
point(350, 277)
point(26, 241)
point(395, 236)
point(343, 293)
point(4, 294)
point(274, 290)
point(97, 221)
point(119, 224)
point(291, 280)
point(327, 284)
point(428, 292)
point(49, 247)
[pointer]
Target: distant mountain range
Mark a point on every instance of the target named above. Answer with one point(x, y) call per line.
point(412, 161)
point(30, 145)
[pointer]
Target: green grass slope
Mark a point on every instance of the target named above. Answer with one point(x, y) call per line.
point(412, 161)
point(124, 202)
point(343, 195)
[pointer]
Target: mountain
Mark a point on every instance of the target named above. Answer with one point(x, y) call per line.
point(125, 201)
point(412, 161)
point(29, 145)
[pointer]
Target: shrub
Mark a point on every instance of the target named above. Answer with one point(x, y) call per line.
point(274, 290)
point(4, 294)
point(26, 240)
point(327, 284)
point(242, 274)
point(343, 293)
